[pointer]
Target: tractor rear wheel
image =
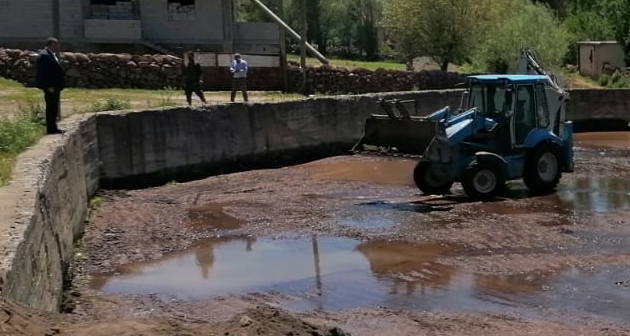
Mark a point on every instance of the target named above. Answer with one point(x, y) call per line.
point(542, 170)
point(483, 180)
point(428, 182)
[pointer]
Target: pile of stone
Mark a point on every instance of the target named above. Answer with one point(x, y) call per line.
point(335, 80)
point(160, 71)
point(98, 70)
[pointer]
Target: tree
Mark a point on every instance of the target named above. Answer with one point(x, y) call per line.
point(247, 11)
point(445, 30)
point(517, 24)
point(618, 12)
point(587, 25)
point(368, 15)
point(349, 24)
point(561, 7)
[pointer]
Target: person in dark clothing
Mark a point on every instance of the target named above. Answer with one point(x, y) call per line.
point(192, 79)
point(50, 78)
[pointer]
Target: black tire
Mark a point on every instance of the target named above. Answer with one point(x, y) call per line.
point(483, 180)
point(427, 182)
point(542, 169)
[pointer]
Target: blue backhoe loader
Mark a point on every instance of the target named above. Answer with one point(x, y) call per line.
point(509, 127)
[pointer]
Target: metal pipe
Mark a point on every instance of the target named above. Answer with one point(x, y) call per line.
point(303, 46)
point(291, 32)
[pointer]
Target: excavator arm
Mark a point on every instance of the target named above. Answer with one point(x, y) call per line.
point(529, 64)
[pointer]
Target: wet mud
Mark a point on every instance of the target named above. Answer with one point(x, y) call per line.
point(350, 240)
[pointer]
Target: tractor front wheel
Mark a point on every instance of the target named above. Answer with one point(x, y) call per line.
point(482, 180)
point(428, 182)
point(542, 171)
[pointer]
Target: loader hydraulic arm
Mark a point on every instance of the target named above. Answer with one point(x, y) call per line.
point(528, 65)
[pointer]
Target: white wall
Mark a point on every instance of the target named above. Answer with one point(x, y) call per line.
point(206, 28)
point(612, 54)
point(113, 29)
point(26, 19)
point(70, 20)
point(592, 57)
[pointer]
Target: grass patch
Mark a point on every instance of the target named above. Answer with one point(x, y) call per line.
point(109, 104)
point(95, 202)
point(167, 99)
point(8, 83)
point(615, 81)
point(312, 61)
point(16, 135)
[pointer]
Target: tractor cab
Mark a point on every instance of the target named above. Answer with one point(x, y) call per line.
point(517, 103)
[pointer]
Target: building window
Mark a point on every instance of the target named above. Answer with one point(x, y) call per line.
point(181, 10)
point(112, 9)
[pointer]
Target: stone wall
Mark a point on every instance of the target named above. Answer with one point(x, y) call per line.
point(159, 71)
point(43, 209)
point(334, 80)
point(599, 109)
point(98, 70)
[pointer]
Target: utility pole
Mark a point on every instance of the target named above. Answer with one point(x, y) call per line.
point(303, 46)
point(283, 48)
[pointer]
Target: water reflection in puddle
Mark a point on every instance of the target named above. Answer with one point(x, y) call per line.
point(599, 194)
point(339, 273)
point(212, 216)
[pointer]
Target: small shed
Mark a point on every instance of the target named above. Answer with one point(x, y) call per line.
point(592, 55)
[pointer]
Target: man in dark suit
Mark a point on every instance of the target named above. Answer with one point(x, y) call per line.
point(50, 78)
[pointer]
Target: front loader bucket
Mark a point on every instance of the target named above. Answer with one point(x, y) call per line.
point(409, 135)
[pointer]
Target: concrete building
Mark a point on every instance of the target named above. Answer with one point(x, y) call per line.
point(137, 26)
point(592, 55)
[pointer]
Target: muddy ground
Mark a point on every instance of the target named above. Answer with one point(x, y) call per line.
point(349, 242)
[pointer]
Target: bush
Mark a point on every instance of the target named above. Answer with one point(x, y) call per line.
point(16, 135)
point(519, 24)
point(587, 25)
point(110, 104)
point(615, 81)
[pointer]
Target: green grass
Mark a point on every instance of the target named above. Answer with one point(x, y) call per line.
point(95, 202)
point(615, 81)
point(350, 64)
point(109, 104)
point(16, 135)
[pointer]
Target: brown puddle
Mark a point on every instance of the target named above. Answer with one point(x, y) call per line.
point(573, 197)
point(599, 194)
point(341, 273)
point(212, 216)
point(602, 140)
point(386, 171)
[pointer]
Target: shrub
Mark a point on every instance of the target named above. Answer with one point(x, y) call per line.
point(110, 104)
point(16, 135)
point(519, 24)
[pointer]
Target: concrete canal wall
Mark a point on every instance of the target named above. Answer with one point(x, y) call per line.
point(43, 209)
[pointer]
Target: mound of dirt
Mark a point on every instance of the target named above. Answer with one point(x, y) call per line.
point(271, 321)
point(17, 320)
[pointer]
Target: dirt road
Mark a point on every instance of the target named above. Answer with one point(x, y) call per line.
point(349, 242)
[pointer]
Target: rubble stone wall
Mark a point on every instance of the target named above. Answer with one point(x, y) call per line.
point(161, 71)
